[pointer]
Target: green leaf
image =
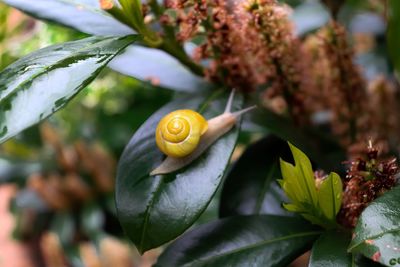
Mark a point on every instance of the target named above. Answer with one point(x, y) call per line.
point(393, 34)
point(82, 15)
point(298, 180)
point(155, 210)
point(258, 240)
point(330, 250)
point(133, 11)
point(86, 16)
point(377, 234)
point(251, 187)
point(299, 184)
point(41, 83)
point(330, 195)
point(290, 183)
point(303, 169)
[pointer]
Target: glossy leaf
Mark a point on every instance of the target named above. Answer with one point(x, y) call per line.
point(330, 195)
point(155, 210)
point(82, 15)
point(393, 34)
point(41, 83)
point(258, 240)
point(377, 234)
point(251, 187)
point(330, 250)
point(86, 16)
point(159, 67)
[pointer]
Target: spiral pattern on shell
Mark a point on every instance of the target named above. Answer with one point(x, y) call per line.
point(179, 132)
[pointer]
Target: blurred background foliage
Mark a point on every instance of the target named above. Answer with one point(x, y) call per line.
point(64, 206)
point(61, 194)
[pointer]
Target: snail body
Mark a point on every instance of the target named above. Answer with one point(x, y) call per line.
point(189, 134)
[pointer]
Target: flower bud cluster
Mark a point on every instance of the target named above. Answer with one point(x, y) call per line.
point(367, 178)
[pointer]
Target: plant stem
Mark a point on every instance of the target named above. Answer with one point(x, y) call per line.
point(179, 53)
point(170, 44)
point(4, 10)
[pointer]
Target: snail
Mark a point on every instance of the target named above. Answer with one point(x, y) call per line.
point(183, 135)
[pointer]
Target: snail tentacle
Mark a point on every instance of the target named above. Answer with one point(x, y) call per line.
point(242, 111)
point(228, 107)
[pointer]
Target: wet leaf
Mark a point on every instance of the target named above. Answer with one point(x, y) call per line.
point(257, 240)
point(41, 83)
point(156, 209)
point(377, 234)
point(82, 15)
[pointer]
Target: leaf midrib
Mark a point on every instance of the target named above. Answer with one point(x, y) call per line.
point(307, 184)
point(333, 196)
point(256, 245)
point(157, 192)
point(147, 212)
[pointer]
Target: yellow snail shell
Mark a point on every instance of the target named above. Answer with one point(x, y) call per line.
point(181, 126)
point(179, 132)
